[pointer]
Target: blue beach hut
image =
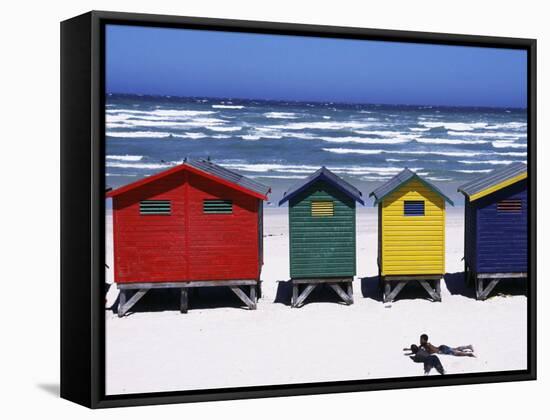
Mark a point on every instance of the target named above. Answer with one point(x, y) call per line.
point(495, 234)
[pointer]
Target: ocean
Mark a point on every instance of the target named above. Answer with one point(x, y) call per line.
point(278, 143)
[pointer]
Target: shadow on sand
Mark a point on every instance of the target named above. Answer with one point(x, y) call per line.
point(456, 285)
point(322, 293)
point(506, 287)
point(370, 288)
point(159, 300)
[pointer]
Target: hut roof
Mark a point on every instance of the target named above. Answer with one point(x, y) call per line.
point(494, 181)
point(210, 170)
point(325, 175)
point(401, 178)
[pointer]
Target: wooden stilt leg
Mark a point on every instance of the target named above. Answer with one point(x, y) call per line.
point(184, 300)
point(294, 294)
point(127, 305)
point(303, 296)
point(487, 290)
point(340, 292)
point(243, 296)
point(438, 290)
point(350, 291)
point(121, 302)
point(259, 290)
point(396, 290)
point(253, 296)
point(431, 291)
point(387, 292)
point(479, 288)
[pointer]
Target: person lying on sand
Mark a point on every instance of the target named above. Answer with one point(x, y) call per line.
point(467, 351)
point(430, 361)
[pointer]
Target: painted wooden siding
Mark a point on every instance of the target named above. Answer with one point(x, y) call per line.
point(188, 244)
point(470, 234)
point(413, 244)
point(150, 248)
point(322, 246)
point(502, 238)
point(222, 246)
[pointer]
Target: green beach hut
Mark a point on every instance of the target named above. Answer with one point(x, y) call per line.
point(321, 210)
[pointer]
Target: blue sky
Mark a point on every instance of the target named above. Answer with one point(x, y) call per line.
point(160, 61)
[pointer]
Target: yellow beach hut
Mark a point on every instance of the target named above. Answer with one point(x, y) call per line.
point(411, 234)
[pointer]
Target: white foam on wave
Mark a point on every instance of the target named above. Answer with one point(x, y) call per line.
point(426, 152)
point(154, 135)
point(279, 170)
point(365, 170)
point(138, 165)
point(186, 113)
point(308, 169)
point(191, 135)
point(400, 138)
point(323, 125)
point(401, 160)
point(449, 141)
point(500, 144)
point(418, 129)
point(193, 123)
point(218, 128)
point(375, 178)
point(472, 171)
point(115, 118)
point(277, 176)
point(157, 113)
point(386, 133)
point(515, 125)
point(458, 126)
point(228, 106)
point(138, 134)
point(266, 167)
point(435, 178)
point(109, 174)
point(487, 162)
point(402, 152)
point(118, 125)
point(126, 158)
point(500, 134)
point(343, 151)
point(281, 115)
point(125, 111)
point(517, 154)
point(257, 136)
point(303, 136)
point(361, 140)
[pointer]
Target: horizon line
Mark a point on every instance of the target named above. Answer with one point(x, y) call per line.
point(314, 101)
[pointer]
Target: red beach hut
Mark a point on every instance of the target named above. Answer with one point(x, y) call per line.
point(194, 225)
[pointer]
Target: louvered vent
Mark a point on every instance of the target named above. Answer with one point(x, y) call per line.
point(217, 206)
point(155, 207)
point(322, 208)
point(414, 208)
point(509, 206)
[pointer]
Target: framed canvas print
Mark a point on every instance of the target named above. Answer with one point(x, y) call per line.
point(255, 209)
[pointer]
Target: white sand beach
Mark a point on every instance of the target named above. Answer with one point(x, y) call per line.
point(220, 344)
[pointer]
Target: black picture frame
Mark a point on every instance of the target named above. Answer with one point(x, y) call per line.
point(83, 207)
